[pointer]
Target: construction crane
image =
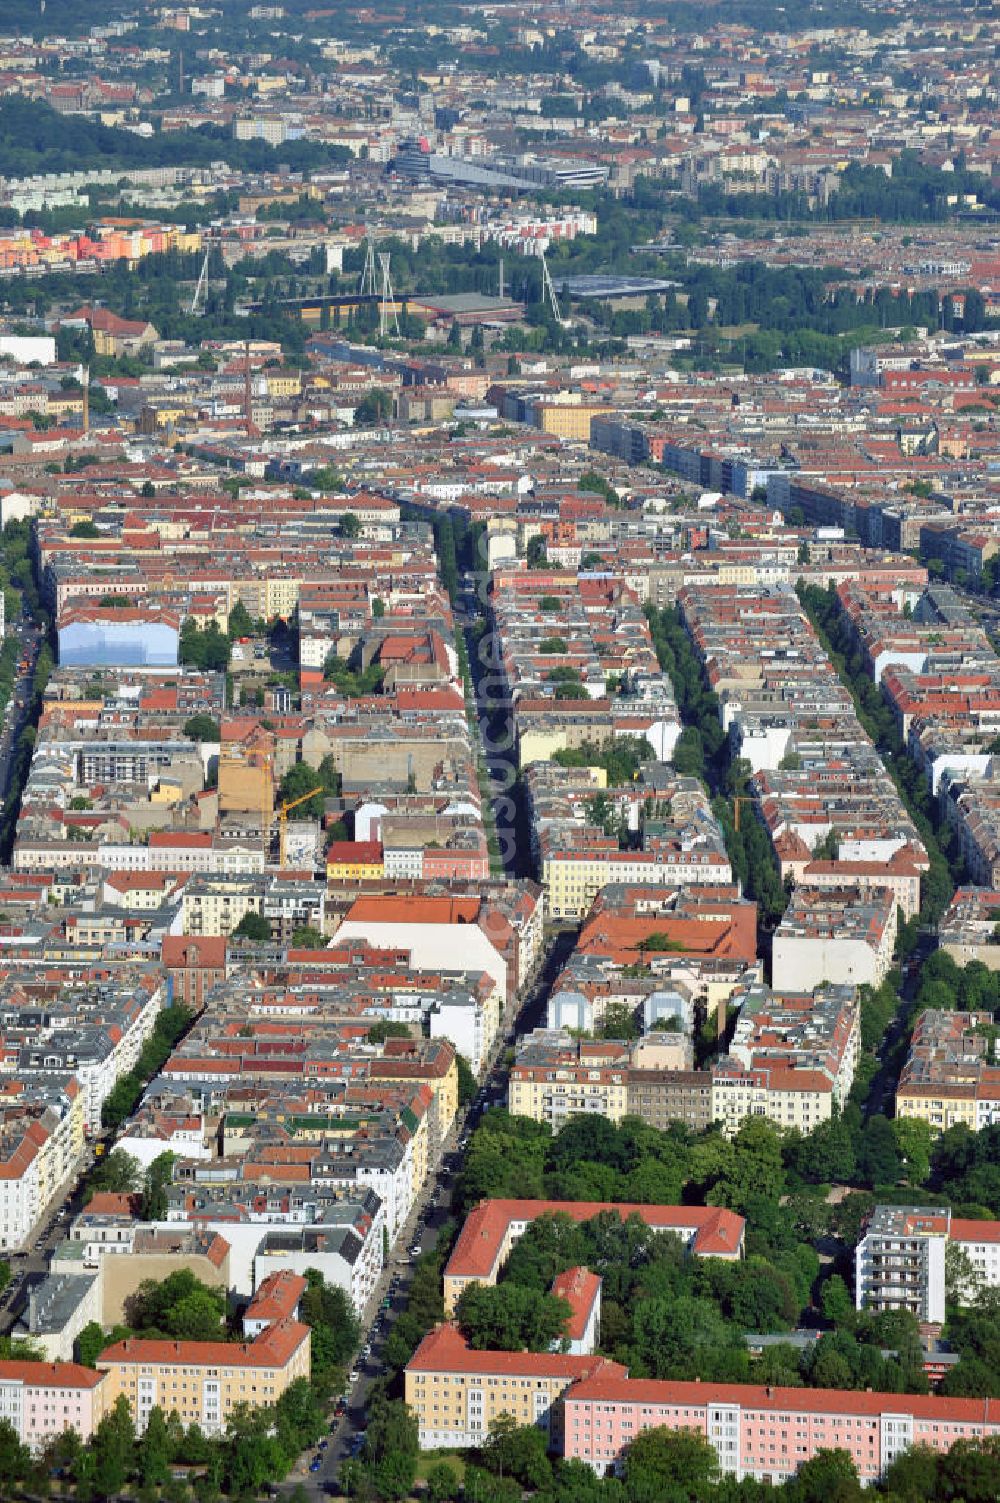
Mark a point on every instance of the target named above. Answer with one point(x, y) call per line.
point(737, 804)
point(283, 813)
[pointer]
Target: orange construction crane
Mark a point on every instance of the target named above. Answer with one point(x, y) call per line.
point(283, 819)
point(740, 799)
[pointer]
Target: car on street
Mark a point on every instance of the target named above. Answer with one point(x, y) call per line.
point(316, 1463)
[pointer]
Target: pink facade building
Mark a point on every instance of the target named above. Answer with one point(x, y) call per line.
point(768, 1433)
point(42, 1399)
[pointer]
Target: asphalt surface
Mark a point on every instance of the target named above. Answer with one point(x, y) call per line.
point(30, 1267)
point(430, 1214)
point(17, 711)
point(882, 1091)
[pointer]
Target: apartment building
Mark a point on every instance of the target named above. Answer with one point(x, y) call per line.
point(203, 1381)
point(900, 1261)
point(817, 774)
point(491, 1230)
point(950, 1075)
point(41, 1148)
point(43, 1399)
point(767, 1433)
point(555, 1077)
point(81, 1021)
point(834, 935)
point(214, 905)
point(969, 928)
point(687, 849)
point(457, 1394)
point(900, 875)
point(792, 1058)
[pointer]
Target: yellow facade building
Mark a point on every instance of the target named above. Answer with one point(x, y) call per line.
point(203, 1381)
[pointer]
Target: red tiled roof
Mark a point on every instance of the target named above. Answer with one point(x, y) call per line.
point(604, 1389)
point(272, 1348)
point(48, 1374)
point(579, 1287)
point(446, 1350)
point(716, 1230)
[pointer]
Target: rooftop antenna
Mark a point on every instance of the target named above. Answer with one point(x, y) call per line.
point(367, 288)
point(387, 309)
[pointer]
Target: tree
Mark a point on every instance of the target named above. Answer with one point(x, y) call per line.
point(208, 649)
point(255, 927)
point(85, 529)
point(878, 1157)
point(202, 727)
point(537, 553)
point(350, 527)
point(154, 1187)
point(254, 1456)
point(518, 1451)
point(179, 1305)
point(326, 1309)
point(836, 1302)
point(391, 1447)
point(155, 1449)
point(298, 782)
point(969, 1471)
point(240, 621)
point(117, 1174)
point(442, 1483)
point(305, 937)
point(756, 1171)
point(15, 1459)
point(826, 1155)
point(510, 1318)
point(828, 1477)
point(93, 1339)
point(913, 1138)
point(662, 1463)
point(385, 1028)
point(114, 1448)
point(300, 1418)
point(467, 1085)
point(195, 1317)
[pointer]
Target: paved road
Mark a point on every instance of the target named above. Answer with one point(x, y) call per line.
point(29, 1268)
point(496, 731)
point(883, 1087)
point(15, 716)
point(430, 1213)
